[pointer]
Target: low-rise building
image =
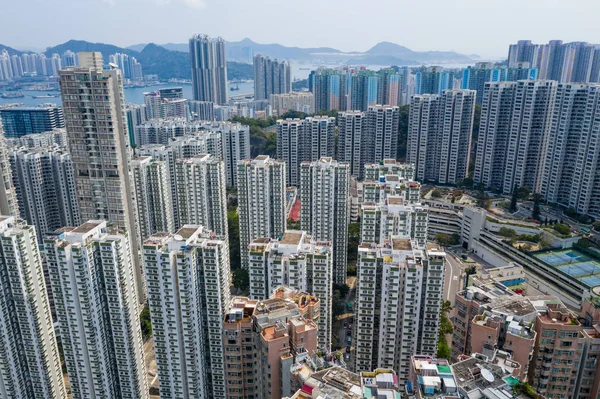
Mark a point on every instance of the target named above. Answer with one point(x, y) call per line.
point(431, 378)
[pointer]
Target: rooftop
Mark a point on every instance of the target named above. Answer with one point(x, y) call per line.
point(291, 237)
point(402, 244)
point(87, 227)
point(187, 231)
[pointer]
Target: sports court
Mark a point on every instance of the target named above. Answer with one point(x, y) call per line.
point(573, 263)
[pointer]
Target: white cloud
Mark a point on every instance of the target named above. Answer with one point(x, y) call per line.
point(189, 3)
point(195, 3)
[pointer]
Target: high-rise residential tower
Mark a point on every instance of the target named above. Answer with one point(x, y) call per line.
point(92, 277)
point(30, 363)
point(513, 136)
point(439, 135)
point(45, 184)
point(290, 133)
point(433, 80)
point(571, 176)
point(351, 127)
point(94, 108)
point(271, 77)
point(325, 207)
point(261, 199)
point(152, 196)
point(201, 192)
point(304, 140)
point(399, 297)
point(188, 293)
point(165, 103)
point(209, 69)
point(299, 262)
point(8, 194)
point(380, 138)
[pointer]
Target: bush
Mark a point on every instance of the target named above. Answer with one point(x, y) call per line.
point(436, 193)
point(523, 192)
point(146, 323)
point(446, 239)
point(562, 229)
point(506, 232)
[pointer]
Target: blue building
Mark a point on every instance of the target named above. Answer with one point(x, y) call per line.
point(19, 121)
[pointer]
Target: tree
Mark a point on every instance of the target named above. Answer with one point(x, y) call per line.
point(436, 193)
point(233, 230)
point(447, 239)
point(353, 242)
point(506, 232)
point(523, 388)
point(513, 199)
point(466, 182)
point(562, 229)
point(146, 323)
point(402, 132)
point(523, 192)
point(443, 349)
point(596, 226)
point(241, 280)
point(535, 214)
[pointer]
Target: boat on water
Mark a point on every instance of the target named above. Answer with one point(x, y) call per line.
point(14, 94)
point(237, 87)
point(47, 96)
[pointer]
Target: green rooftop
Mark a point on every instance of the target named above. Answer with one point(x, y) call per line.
point(444, 370)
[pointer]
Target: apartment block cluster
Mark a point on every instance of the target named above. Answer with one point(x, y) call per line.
point(125, 205)
point(541, 134)
point(34, 64)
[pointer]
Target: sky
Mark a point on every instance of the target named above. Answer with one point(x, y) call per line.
point(482, 27)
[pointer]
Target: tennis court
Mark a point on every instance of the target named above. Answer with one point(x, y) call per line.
point(573, 263)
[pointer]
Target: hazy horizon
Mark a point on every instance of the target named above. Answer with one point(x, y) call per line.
point(463, 26)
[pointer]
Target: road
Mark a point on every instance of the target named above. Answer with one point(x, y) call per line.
point(452, 279)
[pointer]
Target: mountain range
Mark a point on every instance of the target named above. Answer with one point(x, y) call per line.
point(172, 60)
point(155, 59)
point(382, 53)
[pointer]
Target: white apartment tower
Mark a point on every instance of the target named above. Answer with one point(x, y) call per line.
point(439, 135)
point(289, 148)
point(205, 142)
point(389, 178)
point(513, 136)
point(8, 195)
point(351, 127)
point(571, 176)
point(45, 186)
point(325, 207)
point(261, 199)
point(92, 278)
point(188, 292)
point(235, 139)
point(152, 196)
point(201, 192)
point(29, 359)
point(94, 109)
point(318, 138)
point(304, 140)
point(399, 296)
point(297, 261)
point(380, 138)
point(393, 216)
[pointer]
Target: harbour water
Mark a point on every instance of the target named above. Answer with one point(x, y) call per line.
point(133, 95)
